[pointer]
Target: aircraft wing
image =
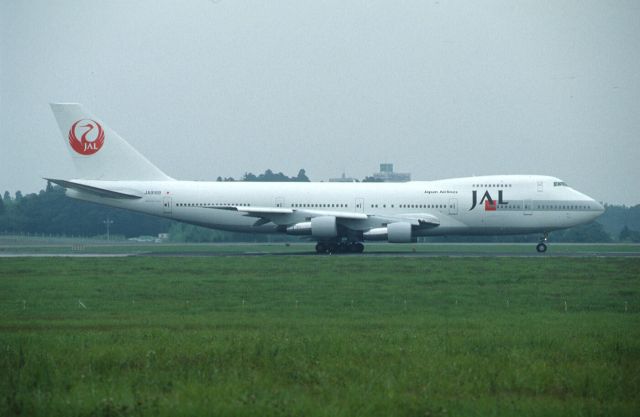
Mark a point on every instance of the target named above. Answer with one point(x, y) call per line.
point(420, 220)
point(268, 211)
point(287, 216)
point(257, 211)
point(358, 221)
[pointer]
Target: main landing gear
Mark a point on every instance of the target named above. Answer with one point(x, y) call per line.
point(342, 247)
point(541, 247)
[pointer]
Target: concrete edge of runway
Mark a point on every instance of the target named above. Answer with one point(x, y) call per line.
point(393, 254)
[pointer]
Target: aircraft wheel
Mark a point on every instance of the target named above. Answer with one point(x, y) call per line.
point(321, 247)
point(355, 247)
point(541, 248)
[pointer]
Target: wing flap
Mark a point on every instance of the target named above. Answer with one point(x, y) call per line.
point(417, 220)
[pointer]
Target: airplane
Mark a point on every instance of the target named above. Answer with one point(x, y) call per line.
point(340, 217)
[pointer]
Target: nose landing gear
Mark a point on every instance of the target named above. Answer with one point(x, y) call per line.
point(541, 247)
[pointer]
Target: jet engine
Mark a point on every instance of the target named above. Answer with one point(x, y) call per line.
point(322, 227)
point(399, 232)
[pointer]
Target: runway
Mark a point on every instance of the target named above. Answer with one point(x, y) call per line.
point(74, 249)
point(66, 255)
point(377, 254)
point(407, 255)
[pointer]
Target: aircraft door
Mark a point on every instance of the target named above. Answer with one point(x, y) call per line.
point(528, 207)
point(166, 205)
point(359, 205)
point(453, 206)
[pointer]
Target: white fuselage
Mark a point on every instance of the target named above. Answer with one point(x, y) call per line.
point(501, 204)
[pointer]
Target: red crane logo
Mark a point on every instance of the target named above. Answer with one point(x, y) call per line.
point(91, 139)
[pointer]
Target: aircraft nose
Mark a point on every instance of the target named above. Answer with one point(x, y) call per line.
point(598, 207)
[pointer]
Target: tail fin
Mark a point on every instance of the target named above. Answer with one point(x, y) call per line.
point(98, 152)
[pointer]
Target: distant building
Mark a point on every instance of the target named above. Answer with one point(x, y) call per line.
point(386, 174)
point(343, 178)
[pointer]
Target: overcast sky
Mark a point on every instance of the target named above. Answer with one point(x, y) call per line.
point(441, 89)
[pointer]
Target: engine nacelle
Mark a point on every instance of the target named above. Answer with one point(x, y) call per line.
point(322, 227)
point(379, 233)
point(400, 233)
point(303, 228)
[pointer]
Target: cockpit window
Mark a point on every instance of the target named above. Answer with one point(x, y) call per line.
point(560, 184)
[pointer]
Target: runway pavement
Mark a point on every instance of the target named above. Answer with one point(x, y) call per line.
point(397, 254)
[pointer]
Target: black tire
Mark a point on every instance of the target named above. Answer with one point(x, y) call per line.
point(359, 247)
point(321, 247)
point(541, 248)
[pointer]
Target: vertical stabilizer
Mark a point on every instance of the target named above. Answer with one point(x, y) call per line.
point(98, 152)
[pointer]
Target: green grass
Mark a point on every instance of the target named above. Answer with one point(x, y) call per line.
point(326, 336)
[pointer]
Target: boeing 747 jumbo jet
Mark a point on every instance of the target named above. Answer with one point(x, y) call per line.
point(338, 216)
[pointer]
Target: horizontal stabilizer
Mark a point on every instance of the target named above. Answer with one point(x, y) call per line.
point(100, 192)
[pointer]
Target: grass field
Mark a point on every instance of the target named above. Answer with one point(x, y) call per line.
point(320, 336)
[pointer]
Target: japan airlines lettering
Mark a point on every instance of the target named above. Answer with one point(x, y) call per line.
point(489, 203)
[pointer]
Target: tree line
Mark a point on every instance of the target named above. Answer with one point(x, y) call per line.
point(270, 176)
point(50, 212)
